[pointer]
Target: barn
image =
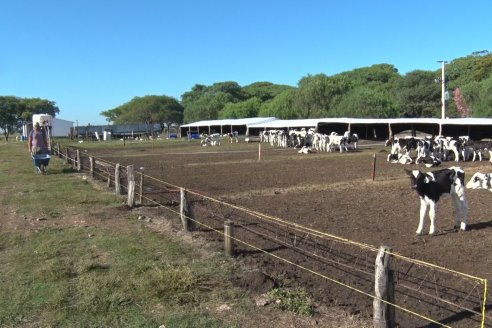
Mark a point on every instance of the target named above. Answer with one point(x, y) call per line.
point(222, 126)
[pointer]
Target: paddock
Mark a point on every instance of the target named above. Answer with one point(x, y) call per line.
point(333, 194)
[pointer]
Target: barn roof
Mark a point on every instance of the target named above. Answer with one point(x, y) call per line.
point(227, 122)
point(286, 124)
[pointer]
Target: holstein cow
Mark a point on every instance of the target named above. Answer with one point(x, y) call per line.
point(399, 158)
point(399, 144)
point(480, 181)
point(432, 186)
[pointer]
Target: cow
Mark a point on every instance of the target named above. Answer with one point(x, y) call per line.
point(211, 140)
point(430, 161)
point(399, 158)
point(351, 138)
point(306, 150)
point(431, 186)
point(337, 141)
point(402, 144)
point(480, 181)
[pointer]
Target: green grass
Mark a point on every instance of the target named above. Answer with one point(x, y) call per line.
point(63, 275)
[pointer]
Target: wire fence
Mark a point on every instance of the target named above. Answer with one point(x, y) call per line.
point(422, 290)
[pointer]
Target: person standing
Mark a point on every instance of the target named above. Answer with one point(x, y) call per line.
point(38, 143)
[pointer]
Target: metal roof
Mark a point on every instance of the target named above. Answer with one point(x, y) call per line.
point(239, 121)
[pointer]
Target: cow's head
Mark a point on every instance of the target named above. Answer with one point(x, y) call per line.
point(480, 181)
point(390, 141)
point(417, 178)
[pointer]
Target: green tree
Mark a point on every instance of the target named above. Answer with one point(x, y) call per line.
point(365, 102)
point(8, 115)
point(482, 106)
point(206, 102)
point(317, 94)
point(418, 95)
point(150, 110)
point(264, 90)
point(16, 111)
point(243, 109)
point(282, 106)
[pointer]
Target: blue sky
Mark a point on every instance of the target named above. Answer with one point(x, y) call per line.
point(89, 56)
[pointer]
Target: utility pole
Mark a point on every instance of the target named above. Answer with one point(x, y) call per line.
point(443, 89)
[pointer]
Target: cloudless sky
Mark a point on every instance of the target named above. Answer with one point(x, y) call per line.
point(93, 55)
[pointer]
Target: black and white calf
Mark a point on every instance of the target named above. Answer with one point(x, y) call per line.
point(402, 144)
point(480, 181)
point(431, 186)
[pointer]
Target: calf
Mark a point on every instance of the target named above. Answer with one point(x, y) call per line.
point(399, 144)
point(432, 186)
point(399, 158)
point(480, 181)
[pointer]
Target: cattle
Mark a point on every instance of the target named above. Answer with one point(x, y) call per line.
point(399, 158)
point(431, 186)
point(337, 141)
point(211, 140)
point(351, 138)
point(305, 150)
point(430, 161)
point(480, 181)
point(232, 136)
point(402, 144)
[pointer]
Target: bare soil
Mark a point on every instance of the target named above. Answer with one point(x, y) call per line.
point(335, 194)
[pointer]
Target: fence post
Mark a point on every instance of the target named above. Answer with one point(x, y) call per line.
point(79, 164)
point(141, 189)
point(58, 150)
point(67, 158)
point(228, 238)
point(384, 313)
point(373, 166)
point(131, 185)
point(91, 165)
point(186, 211)
point(117, 181)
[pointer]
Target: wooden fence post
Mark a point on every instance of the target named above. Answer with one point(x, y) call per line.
point(228, 238)
point(58, 150)
point(131, 185)
point(186, 211)
point(383, 312)
point(91, 165)
point(373, 166)
point(141, 189)
point(79, 164)
point(67, 158)
point(117, 181)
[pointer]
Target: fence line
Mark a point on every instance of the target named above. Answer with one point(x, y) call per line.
point(406, 278)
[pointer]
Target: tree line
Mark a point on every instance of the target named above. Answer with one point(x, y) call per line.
point(15, 111)
point(378, 91)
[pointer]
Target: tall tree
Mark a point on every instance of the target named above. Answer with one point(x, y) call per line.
point(317, 94)
point(16, 111)
point(282, 106)
point(418, 95)
point(162, 110)
point(243, 109)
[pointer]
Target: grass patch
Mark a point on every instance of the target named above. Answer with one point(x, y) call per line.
point(295, 300)
point(96, 275)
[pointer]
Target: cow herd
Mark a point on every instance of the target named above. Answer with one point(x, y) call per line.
point(310, 141)
point(432, 151)
point(430, 186)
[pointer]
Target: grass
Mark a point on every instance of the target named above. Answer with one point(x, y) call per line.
point(63, 275)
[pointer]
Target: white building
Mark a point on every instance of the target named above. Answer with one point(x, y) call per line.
point(59, 127)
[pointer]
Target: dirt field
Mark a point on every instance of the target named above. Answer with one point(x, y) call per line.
point(334, 193)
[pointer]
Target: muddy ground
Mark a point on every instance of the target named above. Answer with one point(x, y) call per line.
point(335, 194)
